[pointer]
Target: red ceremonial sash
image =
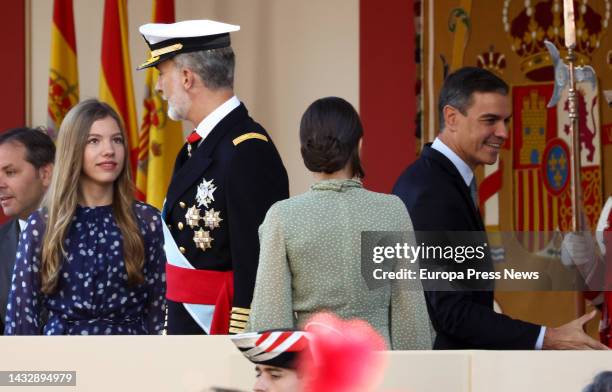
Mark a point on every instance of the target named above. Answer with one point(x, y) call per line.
point(203, 287)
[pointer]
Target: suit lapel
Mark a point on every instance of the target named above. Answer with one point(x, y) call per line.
point(451, 169)
point(13, 235)
point(189, 173)
point(189, 170)
point(17, 231)
point(8, 250)
point(9, 238)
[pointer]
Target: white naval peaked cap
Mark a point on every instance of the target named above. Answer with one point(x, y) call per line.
point(166, 40)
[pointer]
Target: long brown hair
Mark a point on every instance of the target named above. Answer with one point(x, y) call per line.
point(63, 194)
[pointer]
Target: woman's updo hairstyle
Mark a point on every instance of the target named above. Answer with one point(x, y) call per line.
point(329, 136)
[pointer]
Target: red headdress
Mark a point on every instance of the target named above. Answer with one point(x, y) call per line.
point(342, 356)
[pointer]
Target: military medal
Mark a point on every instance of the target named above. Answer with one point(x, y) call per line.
point(192, 138)
point(212, 219)
point(205, 192)
point(202, 239)
point(204, 197)
point(192, 217)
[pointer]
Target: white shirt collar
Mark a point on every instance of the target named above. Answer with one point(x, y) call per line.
point(466, 172)
point(206, 126)
point(22, 224)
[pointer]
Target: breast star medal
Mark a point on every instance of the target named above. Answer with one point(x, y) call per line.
point(202, 239)
point(212, 219)
point(204, 195)
point(192, 217)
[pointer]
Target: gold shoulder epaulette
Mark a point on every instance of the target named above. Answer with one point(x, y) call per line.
point(247, 136)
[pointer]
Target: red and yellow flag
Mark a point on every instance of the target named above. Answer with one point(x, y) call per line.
point(160, 138)
point(116, 71)
point(63, 71)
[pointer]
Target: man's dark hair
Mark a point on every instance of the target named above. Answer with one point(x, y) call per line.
point(329, 136)
point(459, 86)
point(40, 149)
point(601, 383)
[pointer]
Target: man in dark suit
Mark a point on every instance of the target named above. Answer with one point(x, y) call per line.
point(26, 165)
point(439, 191)
point(225, 178)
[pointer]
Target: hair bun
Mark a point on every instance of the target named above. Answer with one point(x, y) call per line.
point(330, 131)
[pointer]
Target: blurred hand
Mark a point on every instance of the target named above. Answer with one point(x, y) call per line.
point(577, 249)
point(571, 336)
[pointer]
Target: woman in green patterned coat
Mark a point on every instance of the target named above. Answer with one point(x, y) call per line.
point(310, 244)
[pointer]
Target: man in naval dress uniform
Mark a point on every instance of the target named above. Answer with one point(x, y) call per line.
point(226, 177)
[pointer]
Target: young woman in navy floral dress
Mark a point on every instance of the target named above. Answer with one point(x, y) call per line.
point(91, 260)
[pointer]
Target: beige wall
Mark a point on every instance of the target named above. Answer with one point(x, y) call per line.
point(289, 52)
point(195, 363)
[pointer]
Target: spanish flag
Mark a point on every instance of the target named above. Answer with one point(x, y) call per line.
point(63, 71)
point(116, 71)
point(160, 138)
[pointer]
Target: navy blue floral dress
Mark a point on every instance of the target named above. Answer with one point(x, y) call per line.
point(93, 297)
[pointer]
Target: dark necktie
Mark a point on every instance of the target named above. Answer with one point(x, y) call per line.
point(474, 192)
